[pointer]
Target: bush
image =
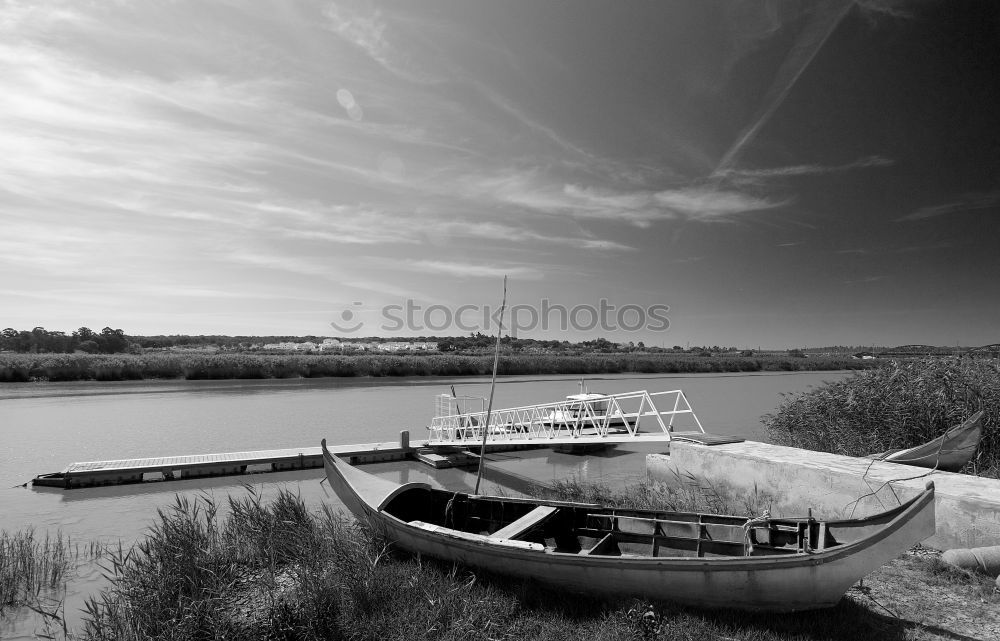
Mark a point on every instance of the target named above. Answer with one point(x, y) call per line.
point(900, 405)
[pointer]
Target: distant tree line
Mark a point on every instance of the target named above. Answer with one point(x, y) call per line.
point(115, 341)
point(40, 340)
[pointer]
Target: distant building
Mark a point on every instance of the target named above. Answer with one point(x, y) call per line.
point(404, 346)
point(291, 346)
point(333, 344)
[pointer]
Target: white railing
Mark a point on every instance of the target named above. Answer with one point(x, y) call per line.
point(614, 417)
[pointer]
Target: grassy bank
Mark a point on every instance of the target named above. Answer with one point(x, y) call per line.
point(894, 407)
point(199, 366)
point(276, 571)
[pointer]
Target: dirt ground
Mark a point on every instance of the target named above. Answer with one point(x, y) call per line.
point(931, 599)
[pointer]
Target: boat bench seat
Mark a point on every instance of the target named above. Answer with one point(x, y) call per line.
point(525, 523)
point(477, 538)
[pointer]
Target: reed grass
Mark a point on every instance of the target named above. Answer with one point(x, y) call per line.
point(276, 571)
point(31, 565)
point(202, 366)
point(898, 406)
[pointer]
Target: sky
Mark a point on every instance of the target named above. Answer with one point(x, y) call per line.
point(767, 173)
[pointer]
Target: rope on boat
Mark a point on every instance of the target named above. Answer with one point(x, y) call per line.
point(763, 520)
point(449, 510)
point(874, 492)
point(864, 478)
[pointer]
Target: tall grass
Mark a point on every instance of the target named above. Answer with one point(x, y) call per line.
point(201, 366)
point(30, 565)
point(194, 577)
point(898, 406)
point(276, 571)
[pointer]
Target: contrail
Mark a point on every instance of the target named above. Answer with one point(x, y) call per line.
point(815, 35)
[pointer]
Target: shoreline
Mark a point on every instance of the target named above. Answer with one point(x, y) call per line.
point(39, 368)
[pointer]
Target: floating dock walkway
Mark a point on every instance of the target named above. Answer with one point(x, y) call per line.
point(93, 473)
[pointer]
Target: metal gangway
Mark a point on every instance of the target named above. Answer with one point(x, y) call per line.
point(583, 418)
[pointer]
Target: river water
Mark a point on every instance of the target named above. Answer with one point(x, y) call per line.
point(46, 426)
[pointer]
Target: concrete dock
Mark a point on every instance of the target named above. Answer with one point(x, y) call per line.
point(967, 508)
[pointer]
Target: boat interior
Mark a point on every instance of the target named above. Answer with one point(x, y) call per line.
point(586, 529)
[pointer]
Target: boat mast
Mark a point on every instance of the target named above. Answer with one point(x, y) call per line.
point(493, 384)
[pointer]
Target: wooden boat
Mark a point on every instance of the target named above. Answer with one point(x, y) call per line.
point(949, 452)
point(699, 559)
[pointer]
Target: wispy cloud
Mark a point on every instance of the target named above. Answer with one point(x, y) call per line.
point(866, 279)
point(474, 270)
point(489, 230)
point(365, 27)
point(707, 204)
point(974, 201)
point(271, 261)
point(521, 117)
point(533, 192)
point(874, 9)
point(810, 41)
point(759, 176)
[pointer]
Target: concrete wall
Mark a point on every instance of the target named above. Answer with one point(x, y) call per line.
point(967, 508)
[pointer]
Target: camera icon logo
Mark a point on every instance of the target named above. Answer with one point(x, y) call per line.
point(347, 317)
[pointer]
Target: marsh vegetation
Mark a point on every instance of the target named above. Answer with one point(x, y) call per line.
point(201, 365)
point(900, 405)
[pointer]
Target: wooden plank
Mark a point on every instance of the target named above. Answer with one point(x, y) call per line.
point(607, 545)
point(477, 538)
point(525, 523)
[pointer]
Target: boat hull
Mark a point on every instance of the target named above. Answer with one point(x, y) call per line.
point(751, 584)
point(771, 583)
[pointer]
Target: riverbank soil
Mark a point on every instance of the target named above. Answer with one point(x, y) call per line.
point(930, 599)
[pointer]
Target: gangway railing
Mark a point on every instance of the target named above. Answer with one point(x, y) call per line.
point(586, 417)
